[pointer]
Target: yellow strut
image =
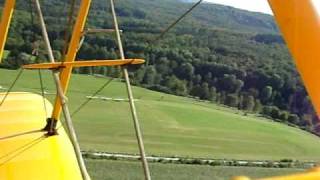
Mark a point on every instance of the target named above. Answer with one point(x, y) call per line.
point(72, 52)
point(5, 23)
point(299, 23)
point(91, 63)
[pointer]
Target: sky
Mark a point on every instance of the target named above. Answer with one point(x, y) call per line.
point(255, 5)
point(251, 5)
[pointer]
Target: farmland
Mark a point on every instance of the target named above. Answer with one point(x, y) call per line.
point(172, 125)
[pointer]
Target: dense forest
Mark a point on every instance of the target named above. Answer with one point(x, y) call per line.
point(220, 54)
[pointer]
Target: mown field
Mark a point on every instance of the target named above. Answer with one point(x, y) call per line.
point(172, 125)
point(122, 170)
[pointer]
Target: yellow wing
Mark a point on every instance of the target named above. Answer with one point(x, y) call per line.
point(25, 151)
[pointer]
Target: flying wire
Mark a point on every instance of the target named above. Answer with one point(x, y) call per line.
point(165, 31)
point(158, 38)
point(15, 153)
point(36, 53)
point(68, 29)
point(89, 99)
point(177, 21)
point(11, 87)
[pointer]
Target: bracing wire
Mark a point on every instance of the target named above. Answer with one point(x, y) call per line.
point(20, 134)
point(82, 105)
point(36, 54)
point(165, 31)
point(10, 156)
point(68, 29)
point(158, 38)
point(11, 87)
point(177, 21)
point(89, 99)
point(19, 148)
point(43, 93)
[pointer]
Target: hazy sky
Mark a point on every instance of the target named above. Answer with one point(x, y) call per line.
point(251, 5)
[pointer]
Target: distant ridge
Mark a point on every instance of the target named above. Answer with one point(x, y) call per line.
point(208, 14)
point(188, 1)
point(163, 12)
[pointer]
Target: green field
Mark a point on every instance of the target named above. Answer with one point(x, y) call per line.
point(173, 125)
point(122, 170)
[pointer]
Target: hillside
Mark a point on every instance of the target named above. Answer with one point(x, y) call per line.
point(159, 13)
point(206, 15)
point(172, 125)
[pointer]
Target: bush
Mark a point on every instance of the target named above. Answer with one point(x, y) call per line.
point(294, 119)
point(215, 163)
point(284, 115)
point(286, 160)
point(275, 112)
point(232, 100)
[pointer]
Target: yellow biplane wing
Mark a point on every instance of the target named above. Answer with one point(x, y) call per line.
point(25, 150)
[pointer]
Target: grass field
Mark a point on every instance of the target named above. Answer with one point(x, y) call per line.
point(122, 170)
point(173, 125)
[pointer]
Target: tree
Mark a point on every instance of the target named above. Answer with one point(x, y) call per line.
point(275, 112)
point(149, 75)
point(253, 92)
point(185, 71)
point(103, 71)
point(284, 115)
point(205, 93)
point(116, 72)
point(139, 75)
point(213, 94)
point(238, 85)
point(230, 84)
point(232, 100)
point(85, 70)
point(266, 94)
point(197, 79)
point(57, 55)
point(196, 91)
point(163, 66)
point(139, 14)
point(103, 53)
point(257, 106)
point(176, 86)
point(208, 77)
point(248, 103)
point(266, 110)
point(307, 105)
point(221, 98)
point(294, 119)
point(276, 81)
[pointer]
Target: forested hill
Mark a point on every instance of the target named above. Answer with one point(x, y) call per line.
point(218, 53)
point(231, 18)
point(158, 13)
point(161, 12)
